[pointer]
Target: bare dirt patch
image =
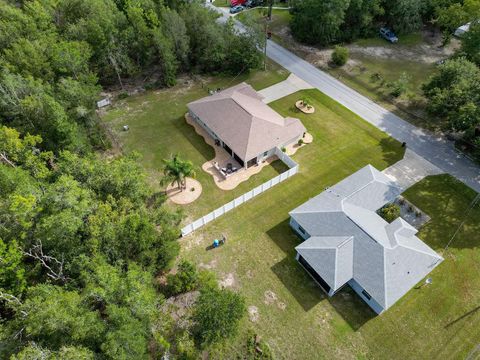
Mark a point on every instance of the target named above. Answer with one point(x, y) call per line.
point(253, 313)
point(208, 266)
point(270, 297)
point(179, 307)
point(228, 281)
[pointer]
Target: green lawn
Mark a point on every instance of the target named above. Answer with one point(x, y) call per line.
point(362, 78)
point(222, 3)
point(301, 323)
point(158, 129)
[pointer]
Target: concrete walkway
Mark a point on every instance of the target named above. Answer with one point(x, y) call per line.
point(289, 86)
point(410, 170)
point(433, 148)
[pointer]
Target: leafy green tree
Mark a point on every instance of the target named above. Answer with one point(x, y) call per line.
point(471, 44)
point(29, 58)
point(65, 207)
point(318, 22)
point(399, 86)
point(127, 338)
point(54, 317)
point(35, 352)
point(360, 19)
point(242, 52)
point(70, 58)
point(217, 314)
point(207, 45)
point(16, 151)
point(12, 273)
point(404, 16)
point(176, 170)
point(186, 279)
point(175, 28)
point(453, 94)
point(340, 55)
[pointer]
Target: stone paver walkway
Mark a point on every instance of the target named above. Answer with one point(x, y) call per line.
point(289, 86)
point(410, 170)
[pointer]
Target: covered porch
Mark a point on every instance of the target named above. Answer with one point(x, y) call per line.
point(227, 169)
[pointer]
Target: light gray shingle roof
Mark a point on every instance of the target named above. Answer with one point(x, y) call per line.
point(387, 260)
point(247, 125)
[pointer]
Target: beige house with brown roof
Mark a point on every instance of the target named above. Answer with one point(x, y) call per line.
point(243, 125)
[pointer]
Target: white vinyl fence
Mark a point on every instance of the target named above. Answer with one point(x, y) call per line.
point(293, 169)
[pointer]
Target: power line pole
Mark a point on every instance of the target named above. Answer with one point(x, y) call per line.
point(265, 46)
point(270, 7)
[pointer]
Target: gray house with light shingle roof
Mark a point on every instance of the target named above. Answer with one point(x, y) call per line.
point(348, 243)
point(243, 125)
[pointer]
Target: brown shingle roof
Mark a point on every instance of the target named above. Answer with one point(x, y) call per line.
point(248, 126)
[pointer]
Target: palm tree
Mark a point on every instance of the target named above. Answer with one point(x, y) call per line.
point(176, 170)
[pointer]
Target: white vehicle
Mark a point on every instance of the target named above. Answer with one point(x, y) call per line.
point(462, 30)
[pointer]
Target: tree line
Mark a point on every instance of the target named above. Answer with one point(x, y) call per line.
point(335, 21)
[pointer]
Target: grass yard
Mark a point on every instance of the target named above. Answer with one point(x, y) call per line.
point(295, 318)
point(222, 3)
point(158, 129)
point(370, 76)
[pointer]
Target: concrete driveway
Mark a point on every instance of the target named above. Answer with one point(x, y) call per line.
point(410, 170)
point(289, 86)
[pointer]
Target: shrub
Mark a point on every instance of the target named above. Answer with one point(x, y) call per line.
point(216, 315)
point(122, 95)
point(340, 55)
point(376, 77)
point(305, 102)
point(399, 87)
point(256, 348)
point(390, 212)
point(284, 149)
point(185, 280)
point(300, 142)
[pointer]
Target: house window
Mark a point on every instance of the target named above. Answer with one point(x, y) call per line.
point(366, 294)
point(302, 230)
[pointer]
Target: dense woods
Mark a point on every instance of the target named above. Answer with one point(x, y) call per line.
point(333, 21)
point(82, 236)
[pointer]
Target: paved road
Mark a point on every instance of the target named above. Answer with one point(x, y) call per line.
point(435, 149)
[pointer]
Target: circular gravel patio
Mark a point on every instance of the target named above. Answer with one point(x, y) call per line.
point(190, 194)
